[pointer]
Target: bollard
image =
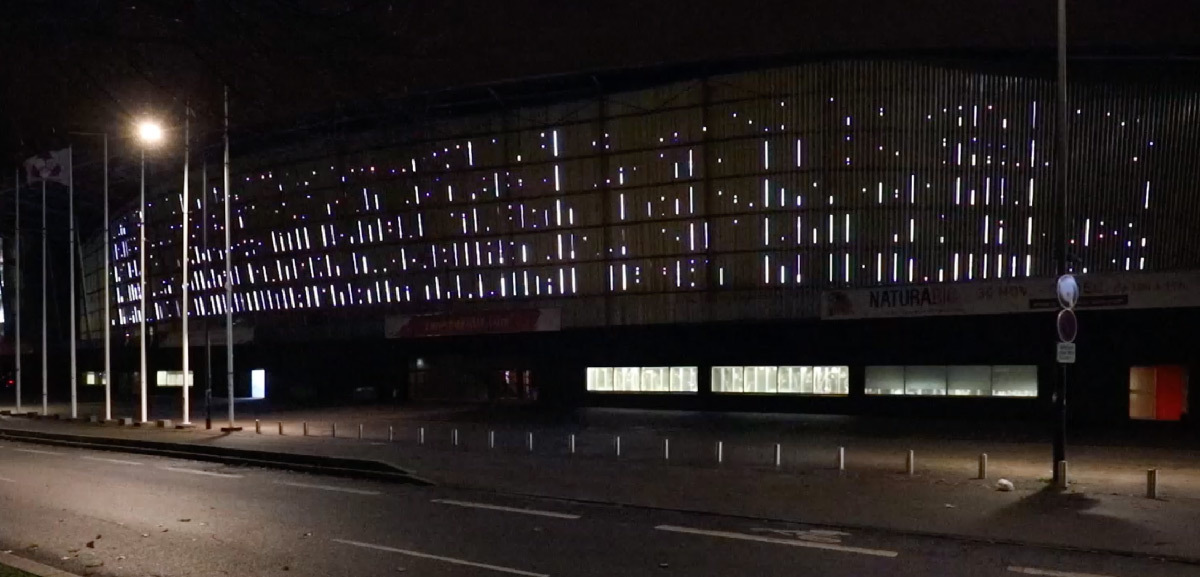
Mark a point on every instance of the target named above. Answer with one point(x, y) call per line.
point(421, 435)
point(983, 465)
point(391, 433)
point(454, 437)
point(1151, 483)
point(305, 428)
point(841, 458)
point(280, 427)
point(333, 428)
point(666, 449)
point(257, 427)
point(491, 439)
point(910, 463)
point(1062, 475)
point(572, 443)
point(618, 443)
point(360, 431)
point(720, 452)
point(529, 440)
point(778, 455)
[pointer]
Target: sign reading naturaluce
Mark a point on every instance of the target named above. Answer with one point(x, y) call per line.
point(1097, 291)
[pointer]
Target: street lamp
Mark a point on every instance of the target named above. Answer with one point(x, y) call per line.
point(149, 133)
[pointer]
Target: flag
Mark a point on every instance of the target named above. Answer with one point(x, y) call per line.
point(54, 166)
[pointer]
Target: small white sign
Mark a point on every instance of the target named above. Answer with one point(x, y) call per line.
point(1066, 353)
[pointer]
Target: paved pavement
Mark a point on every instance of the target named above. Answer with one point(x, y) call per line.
point(107, 513)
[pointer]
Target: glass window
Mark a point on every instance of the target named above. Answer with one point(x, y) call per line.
point(655, 380)
point(173, 378)
point(684, 379)
point(599, 379)
point(925, 381)
point(627, 379)
point(1014, 381)
point(888, 380)
point(831, 380)
point(969, 381)
point(796, 380)
point(727, 379)
point(760, 380)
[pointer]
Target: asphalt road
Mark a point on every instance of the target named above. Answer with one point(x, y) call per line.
point(104, 513)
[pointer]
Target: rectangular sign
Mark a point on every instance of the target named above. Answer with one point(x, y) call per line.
point(485, 322)
point(1065, 353)
point(1097, 291)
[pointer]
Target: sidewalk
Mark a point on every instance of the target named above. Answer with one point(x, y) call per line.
point(1104, 509)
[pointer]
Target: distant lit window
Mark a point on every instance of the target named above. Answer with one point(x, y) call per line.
point(173, 378)
point(93, 379)
point(788, 380)
point(925, 381)
point(684, 379)
point(642, 379)
point(954, 380)
point(655, 380)
point(599, 379)
point(727, 380)
point(1014, 381)
point(760, 380)
point(628, 379)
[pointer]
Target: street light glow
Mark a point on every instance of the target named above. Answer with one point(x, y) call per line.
point(149, 132)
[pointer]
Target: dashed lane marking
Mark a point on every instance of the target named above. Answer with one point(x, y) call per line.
point(1050, 572)
point(328, 488)
point(38, 452)
point(199, 472)
point(506, 509)
point(778, 541)
point(107, 460)
point(451, 560)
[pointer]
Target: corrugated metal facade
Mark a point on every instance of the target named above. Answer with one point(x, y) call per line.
point(728, 197)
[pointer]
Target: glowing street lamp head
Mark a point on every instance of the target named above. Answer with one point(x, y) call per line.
point(149, 132)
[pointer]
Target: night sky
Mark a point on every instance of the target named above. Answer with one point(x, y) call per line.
point(95, 64)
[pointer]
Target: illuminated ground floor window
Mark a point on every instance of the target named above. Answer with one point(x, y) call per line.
point(953, 381)
point(1158, 393)
point(782, 380)
point(642, 379)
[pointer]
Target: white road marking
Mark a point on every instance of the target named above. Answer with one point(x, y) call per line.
point(778, 541)
point(328, 488)
point(452, 560)
point(7, 480)
point(506, 509)
point(35, 451)
point(1050, 572)
point(106, 460)
point(199, 472)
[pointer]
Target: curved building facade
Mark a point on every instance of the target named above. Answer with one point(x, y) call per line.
point(643, 240)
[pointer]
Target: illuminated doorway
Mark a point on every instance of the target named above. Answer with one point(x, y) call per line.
point(1158, 393)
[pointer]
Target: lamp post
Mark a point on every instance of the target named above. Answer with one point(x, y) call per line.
point(187, 411)
point(149, 133)
point(1061, 157)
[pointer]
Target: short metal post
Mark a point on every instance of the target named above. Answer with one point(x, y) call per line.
point(454, 437)
point(333, 428)
point(1151, 483)
point(778, 455)
point(572, 443)
point(910, 463)
point(421, 435)
point(841, 458)
point(666, 449)
point(391, 433)
point(1062, 475)
point(280, 427)
point(305, 423)
point(491, 439)
point(360, 431)
point(529, 440)
point(257, 427)
point(720, 452)
point(983, 472)
point(618, 444)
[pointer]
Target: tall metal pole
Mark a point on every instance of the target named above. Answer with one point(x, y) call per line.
point(187, 411)
point(107, 313)
point(1060, 389)
point(142, 288)
point(71, 261)
point(207, 266)
point(17, 267)
point(228, 275)
point(45, 377)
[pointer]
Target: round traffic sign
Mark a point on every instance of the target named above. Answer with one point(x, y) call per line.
point(1067, 289)
point(1067, 325)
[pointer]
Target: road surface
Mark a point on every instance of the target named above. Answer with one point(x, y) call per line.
point(106, 513)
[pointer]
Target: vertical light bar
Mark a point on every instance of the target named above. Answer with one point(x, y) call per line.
point(879, 267)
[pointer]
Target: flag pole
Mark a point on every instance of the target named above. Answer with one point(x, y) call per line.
point(228, 277)
point(17, 267)
point(107, 317)
point(71, 259)
point(205, 196)
point(45, 377)
point(187, 153)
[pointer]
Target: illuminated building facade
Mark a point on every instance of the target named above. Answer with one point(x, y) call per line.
point(723, 204)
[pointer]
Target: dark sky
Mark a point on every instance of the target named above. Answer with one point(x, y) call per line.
point(95, 64)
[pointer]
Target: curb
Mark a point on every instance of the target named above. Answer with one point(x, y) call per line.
point(316, 464)
point(23, 564)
